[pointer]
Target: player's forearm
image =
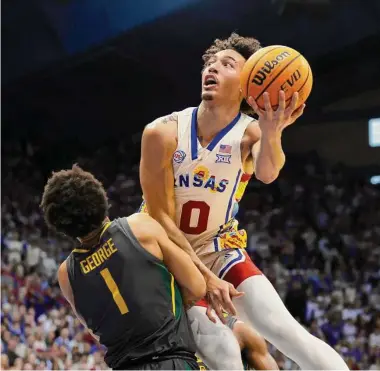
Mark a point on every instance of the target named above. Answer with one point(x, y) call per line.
point(188, 298)
point(270, 158)
point(180, 240)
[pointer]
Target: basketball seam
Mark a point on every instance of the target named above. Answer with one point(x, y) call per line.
point(249, 76)
point(275, 78)
point(307, 78)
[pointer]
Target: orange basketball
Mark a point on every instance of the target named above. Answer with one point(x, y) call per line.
point(274, 68)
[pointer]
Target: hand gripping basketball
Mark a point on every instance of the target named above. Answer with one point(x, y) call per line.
point(274, 122)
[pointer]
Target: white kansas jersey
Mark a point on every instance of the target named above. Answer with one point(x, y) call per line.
point(209, 183)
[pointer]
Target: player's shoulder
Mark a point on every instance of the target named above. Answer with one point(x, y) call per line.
point(162, 132)
point(168, 123)
point(252, 132)
point(163, 124)
point(143, 226)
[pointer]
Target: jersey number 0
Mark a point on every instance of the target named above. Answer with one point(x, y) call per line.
point(189, 211)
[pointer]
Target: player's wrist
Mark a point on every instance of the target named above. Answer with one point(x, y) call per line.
point(271, 136)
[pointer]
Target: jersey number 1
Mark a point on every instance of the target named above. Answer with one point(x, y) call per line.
point(188, 210)
point(112, 286)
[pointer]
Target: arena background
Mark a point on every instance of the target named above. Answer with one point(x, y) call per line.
point(81, 79)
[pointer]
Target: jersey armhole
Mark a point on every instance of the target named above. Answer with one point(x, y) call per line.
point(127, 231)
point(71, 272)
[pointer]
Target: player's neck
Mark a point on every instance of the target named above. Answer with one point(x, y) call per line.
point(212, 119)
point(93, 237)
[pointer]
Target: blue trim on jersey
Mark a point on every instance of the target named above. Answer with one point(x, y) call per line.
point(216, 247)
point(223, 132)
point(217, 138)
point(240, 257)
point(232, 196)
point(193, 138)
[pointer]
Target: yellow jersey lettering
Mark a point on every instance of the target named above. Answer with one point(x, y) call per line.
point(101, 255)
point(97, 258)
point(85, 267)
point(111, 246)
point(106, 251)
point(90, 262)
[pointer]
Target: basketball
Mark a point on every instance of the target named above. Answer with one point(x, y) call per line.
point(276, 68)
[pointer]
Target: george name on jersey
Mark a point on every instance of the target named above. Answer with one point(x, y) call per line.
point(98, 257)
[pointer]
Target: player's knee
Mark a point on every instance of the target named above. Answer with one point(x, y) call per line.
point(216, 343)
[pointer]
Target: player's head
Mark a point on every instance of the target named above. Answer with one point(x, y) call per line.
point(74, 202)
point(223, 62)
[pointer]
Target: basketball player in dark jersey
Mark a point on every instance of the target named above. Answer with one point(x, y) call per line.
point(121, 281)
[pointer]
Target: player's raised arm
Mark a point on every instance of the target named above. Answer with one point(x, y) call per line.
point(157, 182)
point(269, 158)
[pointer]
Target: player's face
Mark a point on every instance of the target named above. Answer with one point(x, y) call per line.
point(221, 77)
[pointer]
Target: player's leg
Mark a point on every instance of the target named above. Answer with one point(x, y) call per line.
point(216, 343)
point(254, 348)
point(262, 307)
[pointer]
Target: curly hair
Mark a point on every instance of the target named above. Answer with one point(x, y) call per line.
point(245, 46)
point(74, 202)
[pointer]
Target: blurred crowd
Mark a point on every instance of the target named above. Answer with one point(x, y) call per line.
point(315, 232)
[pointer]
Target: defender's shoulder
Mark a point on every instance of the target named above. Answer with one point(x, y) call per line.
point(143, 226)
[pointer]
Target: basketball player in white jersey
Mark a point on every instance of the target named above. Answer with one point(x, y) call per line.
point(195, 165)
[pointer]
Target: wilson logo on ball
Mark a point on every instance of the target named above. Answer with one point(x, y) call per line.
point(261, 75)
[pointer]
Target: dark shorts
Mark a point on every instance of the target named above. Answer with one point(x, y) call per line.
point(167, 364)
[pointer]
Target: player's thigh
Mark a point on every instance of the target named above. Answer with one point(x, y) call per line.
point(235, 266)
point(216, 344)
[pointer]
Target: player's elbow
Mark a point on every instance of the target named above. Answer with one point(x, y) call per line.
point(266, 177)
point(198, 288)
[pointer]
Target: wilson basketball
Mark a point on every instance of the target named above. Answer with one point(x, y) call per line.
point(274, 68)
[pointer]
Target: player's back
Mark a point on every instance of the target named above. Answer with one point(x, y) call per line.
point(129, 299)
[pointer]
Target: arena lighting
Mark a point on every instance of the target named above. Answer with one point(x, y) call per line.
point(374, 132)
point(375, 179)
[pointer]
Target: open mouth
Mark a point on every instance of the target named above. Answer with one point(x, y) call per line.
point(210, 82)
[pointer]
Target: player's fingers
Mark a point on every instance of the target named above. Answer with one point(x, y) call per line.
point(227, 303)
point(235, 293)
point(267, 105)
point(216, 305)
point(209, 314)
point(281, 102)
point(298, 112)
point(254, 106)
point(293, 104)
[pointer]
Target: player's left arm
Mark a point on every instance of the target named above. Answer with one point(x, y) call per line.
point(267, 152)
point(64, 284)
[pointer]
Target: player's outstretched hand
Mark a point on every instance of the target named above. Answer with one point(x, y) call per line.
point(275, 121)
point(219, 295)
